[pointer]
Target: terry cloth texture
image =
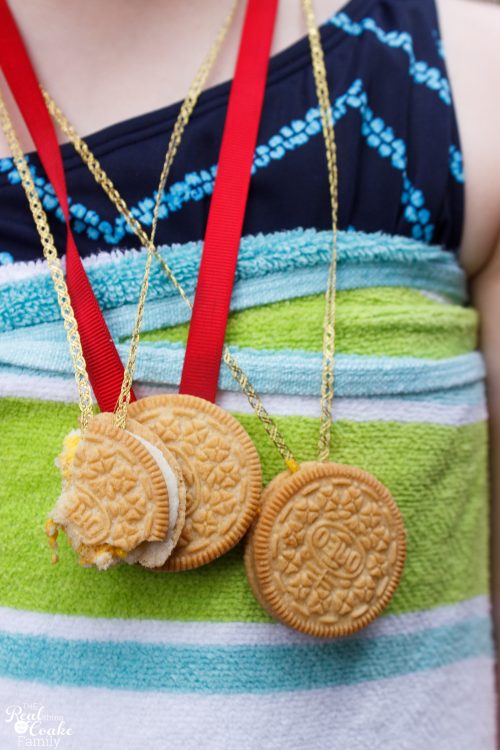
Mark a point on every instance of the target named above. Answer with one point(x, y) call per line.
point(136, 660)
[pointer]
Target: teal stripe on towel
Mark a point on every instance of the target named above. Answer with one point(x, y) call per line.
point(470, 394)
point(263, 275)
point(239, 669)
point(287, 372)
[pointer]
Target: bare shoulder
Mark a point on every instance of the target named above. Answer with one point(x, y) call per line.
point(471, 36)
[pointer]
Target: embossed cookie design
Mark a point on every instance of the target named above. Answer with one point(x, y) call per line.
point(327, 550)
point(221, 470)
point(114, 495)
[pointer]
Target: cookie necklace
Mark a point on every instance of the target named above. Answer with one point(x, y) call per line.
point(327, 550)
point(218, 460)
point(334, 567)
point(123, 495)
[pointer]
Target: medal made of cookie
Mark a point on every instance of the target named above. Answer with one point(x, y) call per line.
point(123, 495)
point(327, 550)
point(218, 460)
point(219, 463)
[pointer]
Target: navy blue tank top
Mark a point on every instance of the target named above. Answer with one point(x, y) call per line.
point(400, 164)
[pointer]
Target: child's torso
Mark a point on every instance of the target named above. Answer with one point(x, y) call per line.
point(409, 407)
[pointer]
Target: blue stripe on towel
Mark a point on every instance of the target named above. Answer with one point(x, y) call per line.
point(239, 669)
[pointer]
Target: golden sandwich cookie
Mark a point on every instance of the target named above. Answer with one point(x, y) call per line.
point(326, 552)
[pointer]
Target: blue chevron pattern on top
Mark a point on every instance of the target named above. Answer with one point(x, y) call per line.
point(291, 136)
point(421, 72)
point(400, 37)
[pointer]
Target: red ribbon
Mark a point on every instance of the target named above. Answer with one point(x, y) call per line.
point(227, 208)
point(104, 366)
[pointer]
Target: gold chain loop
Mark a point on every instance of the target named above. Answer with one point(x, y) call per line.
point(120, 204)
point(111, 191)
point(327, 372)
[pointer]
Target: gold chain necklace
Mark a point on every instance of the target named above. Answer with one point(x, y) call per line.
point(142, 484)
point(327, 550)
point(327, 379)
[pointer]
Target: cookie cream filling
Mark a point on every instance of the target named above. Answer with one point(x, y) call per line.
point(170, 481)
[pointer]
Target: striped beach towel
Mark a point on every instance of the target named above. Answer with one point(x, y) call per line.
point(132, 659)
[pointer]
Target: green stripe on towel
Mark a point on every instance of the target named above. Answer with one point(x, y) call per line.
point(437, 475)
point(381, 321)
